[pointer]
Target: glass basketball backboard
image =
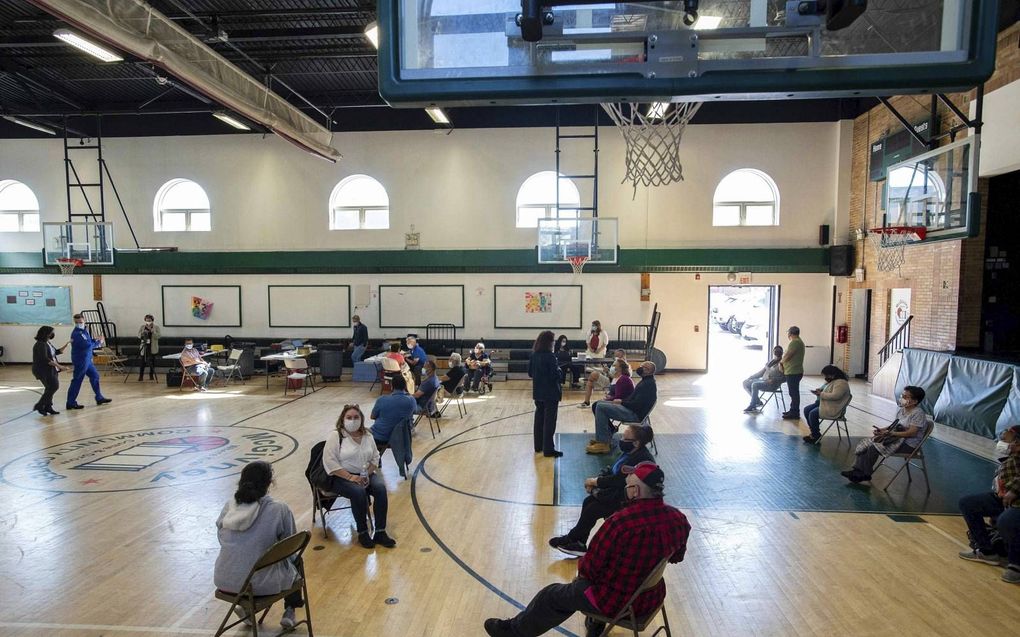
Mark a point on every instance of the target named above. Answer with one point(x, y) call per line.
point(474, 52)
point(91, 241)
point(560, 239)
point(935, 190)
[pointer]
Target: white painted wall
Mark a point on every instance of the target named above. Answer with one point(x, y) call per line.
point(1000, 135)
point(458, 190)
point(612, 298)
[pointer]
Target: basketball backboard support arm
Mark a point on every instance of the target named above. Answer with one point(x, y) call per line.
point(640, 51)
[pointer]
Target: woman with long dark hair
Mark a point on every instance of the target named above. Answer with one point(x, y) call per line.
point(546, 392)
point(832, 399)
point(250, 522)
point(45, 368)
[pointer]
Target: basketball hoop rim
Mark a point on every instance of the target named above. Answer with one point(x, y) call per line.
point(919, 231)
point(76, 262)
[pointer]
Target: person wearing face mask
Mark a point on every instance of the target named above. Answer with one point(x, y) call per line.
point(360, 340)
point(599, 380)
point(1002, 504)
point(45, 367)
point(148, 336)
point(766, 379)
point(606, 490)
point(564, 358)
point(82, 345)
point(634, 408)
point(415, 357)
point(196, 366)
point(628, 546)
point(597, 341)
point(833, 397)
point(351, 460)
point(902, 436)
point(479, 369)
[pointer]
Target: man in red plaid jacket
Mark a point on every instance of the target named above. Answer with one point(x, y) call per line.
point(628, 547)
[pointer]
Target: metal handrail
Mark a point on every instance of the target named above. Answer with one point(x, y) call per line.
point(899, 340)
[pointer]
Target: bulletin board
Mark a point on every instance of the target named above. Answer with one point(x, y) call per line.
point(35, 305)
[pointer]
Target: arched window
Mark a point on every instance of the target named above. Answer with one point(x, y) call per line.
point(916, 197)
point(359, 203)
point(537, 199)
point(746, 197)
point(19, 209)
point(181, 206)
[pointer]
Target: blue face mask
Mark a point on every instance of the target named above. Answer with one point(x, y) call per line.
point(626, 446)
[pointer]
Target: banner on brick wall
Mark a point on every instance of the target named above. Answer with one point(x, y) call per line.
point(899, 308)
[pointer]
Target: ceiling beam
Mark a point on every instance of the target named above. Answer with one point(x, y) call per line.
point(235, 15)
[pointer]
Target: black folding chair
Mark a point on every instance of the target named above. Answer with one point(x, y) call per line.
point(645, 422)
point(324, 502)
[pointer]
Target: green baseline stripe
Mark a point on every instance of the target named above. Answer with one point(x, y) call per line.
point(426, 261)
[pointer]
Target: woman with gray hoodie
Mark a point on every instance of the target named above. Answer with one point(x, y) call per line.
point(249, 524)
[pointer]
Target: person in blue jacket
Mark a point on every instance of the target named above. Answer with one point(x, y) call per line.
point(545, 391)
point(82, 345)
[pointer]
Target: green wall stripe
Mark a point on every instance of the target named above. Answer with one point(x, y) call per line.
point(434, 261)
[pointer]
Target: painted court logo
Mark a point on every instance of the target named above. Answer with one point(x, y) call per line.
point(146, 459)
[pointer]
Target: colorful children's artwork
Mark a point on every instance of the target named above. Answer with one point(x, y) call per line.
point(537, 302)
point(201, 308)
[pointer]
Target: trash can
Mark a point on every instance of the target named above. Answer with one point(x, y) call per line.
point(331, 361)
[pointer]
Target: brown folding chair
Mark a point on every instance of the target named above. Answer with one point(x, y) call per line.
point(840, 423)
point(626, 617)
point(909, 458)
point(252, 604)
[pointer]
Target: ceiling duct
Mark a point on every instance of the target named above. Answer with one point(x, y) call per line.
point(135, 27)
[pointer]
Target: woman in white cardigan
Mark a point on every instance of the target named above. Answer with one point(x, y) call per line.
point(833, 397)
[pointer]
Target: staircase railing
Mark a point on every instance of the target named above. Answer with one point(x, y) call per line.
point(896, 342)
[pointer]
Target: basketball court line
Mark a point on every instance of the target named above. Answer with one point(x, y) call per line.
point(159, 630)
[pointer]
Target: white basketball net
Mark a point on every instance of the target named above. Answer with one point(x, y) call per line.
point(67, 266)
point(577, 263)
point(889, 249)
point(652, 133)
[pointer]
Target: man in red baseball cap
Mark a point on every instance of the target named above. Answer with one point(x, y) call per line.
point(628, 547)
point(1002, 504)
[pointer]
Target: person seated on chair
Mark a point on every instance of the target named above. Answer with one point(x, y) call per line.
point(622, 385)
point(1001, 504)
point(425, 396)
point(395, 354)
point(564, 359)
point(902, 436)
point(391, 409)
point(251, 522)
point(598, 379)
point(833, 397)
point(351, 459)
point(194, 364)
point(623, 553)
point(767, 379)
point(605, 491)
point(416, 357)
point(479, 367)
point(635, 408)
point(451, 379)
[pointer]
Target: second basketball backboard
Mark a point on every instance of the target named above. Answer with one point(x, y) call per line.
point(461, 52)
point(92, 242)
point(560, 239)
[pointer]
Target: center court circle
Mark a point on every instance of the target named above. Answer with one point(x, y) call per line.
point(146, 459)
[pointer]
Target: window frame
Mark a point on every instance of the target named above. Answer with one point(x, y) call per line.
point(21, 214)
point(361, 210)
point(549, 209)
point(158, 210)
point(742, 205)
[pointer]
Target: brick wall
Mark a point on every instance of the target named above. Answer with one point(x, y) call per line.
point(945, 277)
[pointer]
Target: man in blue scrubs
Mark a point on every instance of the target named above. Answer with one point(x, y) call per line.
point(82, 345)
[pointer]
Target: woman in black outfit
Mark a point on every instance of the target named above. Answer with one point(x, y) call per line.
point(45, 367)
point(564, 356)
point(545, 390)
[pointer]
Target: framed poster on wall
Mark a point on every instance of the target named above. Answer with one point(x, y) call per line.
point(201, 305)
point(538, 306)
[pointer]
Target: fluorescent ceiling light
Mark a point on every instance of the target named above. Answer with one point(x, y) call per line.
point(437, 115)
point(707, 22)
point(657, 110)
point(88, 46)
point(230, 119)
point(28, 124)
point(372, 33)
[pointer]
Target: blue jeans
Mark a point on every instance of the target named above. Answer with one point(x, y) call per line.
point(358, 353)
point(606, 410)
point(975, 508)
point(81, 370)
point(813, 419)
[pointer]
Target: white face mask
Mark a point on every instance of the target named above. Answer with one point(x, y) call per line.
point(148, 323)
point(80, 325)
point(1001, 449)
point(352, 425)
point(594, 329)
point(188, 345)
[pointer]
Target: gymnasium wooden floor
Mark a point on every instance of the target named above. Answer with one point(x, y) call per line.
point(100, 536)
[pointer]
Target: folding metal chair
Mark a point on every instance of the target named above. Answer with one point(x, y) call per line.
point(233, 367)
point(187, 377)
point(433, 422)
point(456, 397)
point(840, 423)
point(251, 604)
point(324, 502)
point(297, 369)
point(917, 453)
point(626, 617)
point(776, 395)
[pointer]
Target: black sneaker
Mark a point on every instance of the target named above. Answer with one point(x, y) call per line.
point(103, 401)
point(365, 540)
point(810, 440)
point(575, 548)
point(499, 628)
point(74, 406)
point(382, 539)
point(791, 416)
point(558, 541)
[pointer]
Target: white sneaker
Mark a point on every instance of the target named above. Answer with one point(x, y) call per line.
point(242, 615)
point(288, 620)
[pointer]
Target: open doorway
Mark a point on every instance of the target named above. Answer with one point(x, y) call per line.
point(742, 326)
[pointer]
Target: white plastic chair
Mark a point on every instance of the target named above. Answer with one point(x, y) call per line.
point(297, 369)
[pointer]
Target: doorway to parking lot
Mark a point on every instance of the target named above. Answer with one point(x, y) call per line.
point(742, 328)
